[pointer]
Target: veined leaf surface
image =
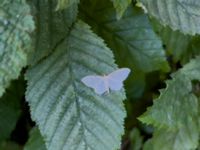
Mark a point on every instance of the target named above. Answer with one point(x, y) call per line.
point(69, 114)
point(183, 15)
point(16, 24)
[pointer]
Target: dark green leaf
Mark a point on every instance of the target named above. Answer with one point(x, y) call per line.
point(35, 141)
point(52, 27)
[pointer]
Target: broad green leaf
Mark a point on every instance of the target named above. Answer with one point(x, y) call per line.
point(183, 15)
point(176, 42)
point(51, 27)
point(10, 108)
point(62, 4)
point(185, 138)
point(35, 141)
point(69, 114)
point(181, 47)
point(132, 37)
point(121, 6)
point(15, 25)
point(177, 108)
point(181, 139)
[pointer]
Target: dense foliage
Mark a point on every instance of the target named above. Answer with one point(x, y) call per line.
point(48, 46)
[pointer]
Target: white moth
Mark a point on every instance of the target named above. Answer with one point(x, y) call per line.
point(113, 81)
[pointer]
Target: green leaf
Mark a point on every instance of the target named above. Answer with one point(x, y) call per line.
point(62, 4)
point(121, 6)
point(185, 138)
point(69, 114)
point(176, 42)
point(35, 141)
point(15, 25)
point(136, 139)
point(10, 109)
point(183, 15)
point(52, 27)
point(132, 38)
point(177, 108)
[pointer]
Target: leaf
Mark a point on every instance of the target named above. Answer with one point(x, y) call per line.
point(69, 114)
point(10, 109)
point(62, 4)
point(52, 27)
point(136, 139)
point(176, 42)
point(35, 141)
point(132, 42)
point(183, 139)
point(121, 6)
point(177, 108)
point(183, 15)
point(15, 25)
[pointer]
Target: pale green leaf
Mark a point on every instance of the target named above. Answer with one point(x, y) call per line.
point(15, 25)
point(183, 15)
point(52, 27)
point(132, 37)
point(121, 6)
point(177, 108)
point(185, 138)
point(35, 141)
point(62, 4)
point(70, 115)
point(10, 109)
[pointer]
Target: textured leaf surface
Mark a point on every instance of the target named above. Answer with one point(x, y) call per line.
point(177, 109)
point(121, 6)
point(183, 15)
point(51, 27)
point(69, 114)
point(132, 35)
point(65, 3)
point(181, 139)
point(176, 42)
point(35, 141)
point(10, 108)
point(181, 47)
point(15, 25)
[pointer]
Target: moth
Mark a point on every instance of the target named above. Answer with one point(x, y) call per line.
point(112, 81)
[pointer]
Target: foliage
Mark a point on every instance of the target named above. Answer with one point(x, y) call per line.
point(53, 44)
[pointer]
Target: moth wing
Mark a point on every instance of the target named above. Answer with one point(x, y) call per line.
point(95, 82)
point(116, 78)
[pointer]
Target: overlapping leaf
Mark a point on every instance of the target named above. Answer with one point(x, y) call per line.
point(121, 6)
point(132, 35)
point(35, 141)
point(52, 27)
point(62, 4)
point(69, 114)
point(185, 138)
point(15, 25)
point(10, 108)
point(176, 42)
point(183, 15)
point(177, 109)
